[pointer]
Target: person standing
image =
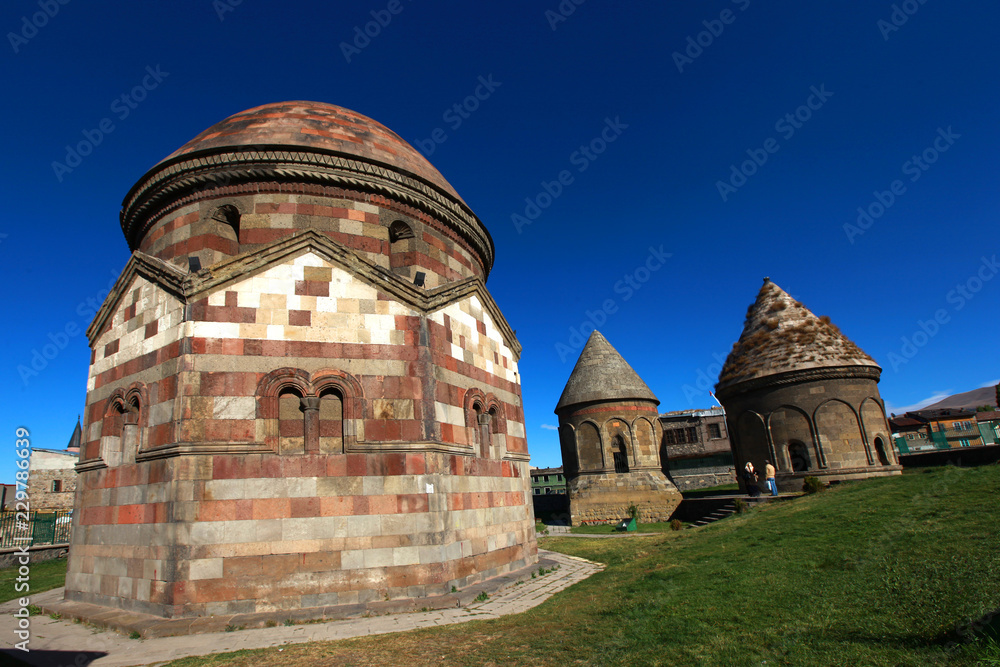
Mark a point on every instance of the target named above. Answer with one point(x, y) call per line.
point(750, 478)
point(769, 471)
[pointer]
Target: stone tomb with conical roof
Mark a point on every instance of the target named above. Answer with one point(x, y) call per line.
point(609, 435)
point(799, 393)
point(301, 394)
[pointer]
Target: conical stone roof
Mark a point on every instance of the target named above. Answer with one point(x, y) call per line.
point(601, 374)
point(781, 335)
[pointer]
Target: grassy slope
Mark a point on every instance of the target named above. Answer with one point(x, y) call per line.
point(884, 572)
point(43, 576)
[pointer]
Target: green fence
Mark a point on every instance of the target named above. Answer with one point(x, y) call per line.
point(18, 529)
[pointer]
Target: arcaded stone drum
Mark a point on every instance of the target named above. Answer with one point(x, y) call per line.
point(800, 394)
point(609, 433)
point(301, 392)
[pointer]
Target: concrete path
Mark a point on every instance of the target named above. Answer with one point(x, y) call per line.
point(56, 643)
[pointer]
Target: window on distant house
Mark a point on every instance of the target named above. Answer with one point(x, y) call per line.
point(692, 434)
point(964, 442)
point(538, 491)
point(57, 486)
point(714, 431)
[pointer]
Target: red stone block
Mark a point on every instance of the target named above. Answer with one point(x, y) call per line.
point(375, 429)
point(395, 464)
point(382, 504)
point(152, 328)
point(336, 506)
point(416, 464)
point(291, 466)
point(360, 505)
point(313, 466)
point(336, 466)
point(218, 430)
point(271, 508)
point(305, 507)
point(270, 467)
point(411, 430)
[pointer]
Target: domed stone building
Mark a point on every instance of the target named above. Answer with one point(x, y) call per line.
point(609, 433)
point(799, 393)
point(301, 393)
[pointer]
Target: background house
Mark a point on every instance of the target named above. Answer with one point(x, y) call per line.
point(696, 449)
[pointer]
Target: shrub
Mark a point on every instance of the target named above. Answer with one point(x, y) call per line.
point(676, 524)
point(741, 506)
point(812, 485)
point(633, 512)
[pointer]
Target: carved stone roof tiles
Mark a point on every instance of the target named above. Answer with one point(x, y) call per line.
point(601, 374)
point(781, 335)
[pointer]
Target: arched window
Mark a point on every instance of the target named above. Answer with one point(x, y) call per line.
point(619, 454)
point(111, 433)
point(798, 454)
point(331, 422)
point(228, 227)
point(291, 423)
point(482, 429)
point(402, 244)
point(883, 457)
point(131, 432)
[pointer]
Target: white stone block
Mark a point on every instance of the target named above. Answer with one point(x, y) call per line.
point(205, 568)
point(234, 407)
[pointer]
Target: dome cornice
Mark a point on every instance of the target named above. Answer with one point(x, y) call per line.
point(189, 173)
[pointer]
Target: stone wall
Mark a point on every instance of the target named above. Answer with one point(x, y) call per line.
point(40, 490)
point(821, 422)
point(606, 497)
point(703, 478)
point(202, 492)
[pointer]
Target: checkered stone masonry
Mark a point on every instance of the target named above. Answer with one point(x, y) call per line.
point(301, 393)
point(233, 533)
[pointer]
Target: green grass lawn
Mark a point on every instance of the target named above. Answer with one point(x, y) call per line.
point(44, 576)
point(608, 529)
point(898, 571)
point(891, 571)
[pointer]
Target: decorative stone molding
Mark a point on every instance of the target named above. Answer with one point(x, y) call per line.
point(800, 376)
point(171, 181)
point(189, 287)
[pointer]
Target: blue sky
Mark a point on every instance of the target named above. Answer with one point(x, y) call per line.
point(701, 147)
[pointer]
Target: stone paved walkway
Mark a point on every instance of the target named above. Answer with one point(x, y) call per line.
point(56, 643)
